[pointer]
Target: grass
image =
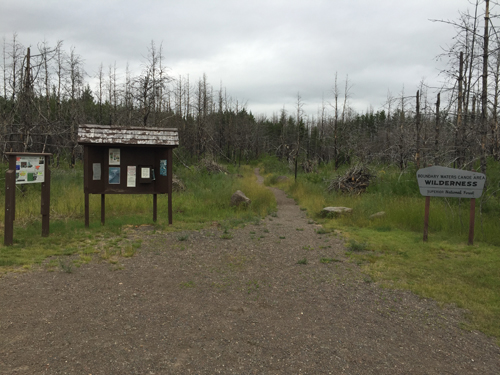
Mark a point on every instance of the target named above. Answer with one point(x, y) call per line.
point(302, 261)
point(390, 248)
point(444, 269)
point(205, 201)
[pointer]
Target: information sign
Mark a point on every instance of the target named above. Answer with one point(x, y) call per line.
point(449, 182)
point(30, 169)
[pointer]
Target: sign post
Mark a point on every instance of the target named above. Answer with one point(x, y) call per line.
point(452, 183)
point(26, 168)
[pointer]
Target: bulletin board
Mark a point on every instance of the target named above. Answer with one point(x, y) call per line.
point(126, 170)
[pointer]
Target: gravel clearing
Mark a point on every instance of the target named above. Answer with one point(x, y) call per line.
point(274, 297)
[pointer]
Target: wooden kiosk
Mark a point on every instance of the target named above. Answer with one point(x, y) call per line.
point(26, 168)
point(127, 160)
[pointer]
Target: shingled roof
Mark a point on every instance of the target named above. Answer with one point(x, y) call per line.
point(117, 135)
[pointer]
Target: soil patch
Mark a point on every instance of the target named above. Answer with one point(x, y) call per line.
point(274, 297)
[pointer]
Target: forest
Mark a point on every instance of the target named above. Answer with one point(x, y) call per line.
point(46, 93)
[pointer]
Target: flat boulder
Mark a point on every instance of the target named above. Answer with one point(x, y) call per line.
point(378, 214)
point(238, 199)
point(328, 211)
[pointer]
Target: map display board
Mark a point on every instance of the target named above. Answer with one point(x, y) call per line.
point(30, 169)
point(449, 182)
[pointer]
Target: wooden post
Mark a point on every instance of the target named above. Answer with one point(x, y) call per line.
point(103, 208)
point(46, 200)
point(155, 210)
point(170, 161)
point(426, 218)
point(12, 167)
point(472, 220)
point(10, 203)
point(86, 184)
point(87, 220)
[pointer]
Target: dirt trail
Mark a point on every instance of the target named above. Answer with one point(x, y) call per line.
point(231, 302)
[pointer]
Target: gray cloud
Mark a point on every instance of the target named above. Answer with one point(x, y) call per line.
point(264, 52)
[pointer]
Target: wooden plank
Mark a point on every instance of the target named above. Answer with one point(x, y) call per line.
point(169, 187)
point(46, 201)
point(155, 207)
point(101, 134)
point(10, 202)
point(87, 206)
point(426, 218)
point(472, 220)
point(12, 167)
point(103, 208)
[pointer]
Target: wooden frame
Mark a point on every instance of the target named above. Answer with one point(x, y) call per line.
point(127, 161)
point(10, 195)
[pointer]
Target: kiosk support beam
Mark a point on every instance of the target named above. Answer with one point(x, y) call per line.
point(10, 203)
point(472, 219)
point(46, 200)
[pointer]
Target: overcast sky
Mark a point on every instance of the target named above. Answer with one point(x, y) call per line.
point(265, 52)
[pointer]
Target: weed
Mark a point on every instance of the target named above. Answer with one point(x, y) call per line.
point(226, 235)
point(252, 286)
point(308, 247)
point(302, 261)
point(183, 237)
point(328, 260)
point(299, 229)
point(188, 284)
point(353, 245)
point(282, 237)
point(129, 251)
point(66, 266)
point(322, 231)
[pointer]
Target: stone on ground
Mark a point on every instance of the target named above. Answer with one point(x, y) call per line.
point(238, 198)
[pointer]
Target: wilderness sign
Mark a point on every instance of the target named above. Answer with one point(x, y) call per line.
point(449, 182)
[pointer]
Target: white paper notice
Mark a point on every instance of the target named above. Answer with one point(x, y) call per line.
point(145, 173)
point(96, 169)
point(131, 176)
point(114, 156)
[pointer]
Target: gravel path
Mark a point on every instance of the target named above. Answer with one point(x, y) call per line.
point(232, 301)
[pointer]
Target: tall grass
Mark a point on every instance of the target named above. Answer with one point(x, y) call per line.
point(397, 194)
point(444, 268)
point(206, 199)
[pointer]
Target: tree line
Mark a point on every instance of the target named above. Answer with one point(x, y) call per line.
point(45, 94)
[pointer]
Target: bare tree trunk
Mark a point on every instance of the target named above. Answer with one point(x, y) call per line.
point(417, 123)
point(494, 125)
point(335, 125)
point(484, 94)
point(436, 139)
point(460, 132)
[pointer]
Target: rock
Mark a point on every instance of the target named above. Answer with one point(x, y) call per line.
point(378, 214)
point(177, 184)
point(336, 210)
point(211, 166)
point(238, 198)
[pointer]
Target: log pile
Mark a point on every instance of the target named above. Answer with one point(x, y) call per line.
point(354, 181)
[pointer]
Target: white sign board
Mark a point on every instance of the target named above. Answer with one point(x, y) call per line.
point(449, 182)
point(30, 169)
